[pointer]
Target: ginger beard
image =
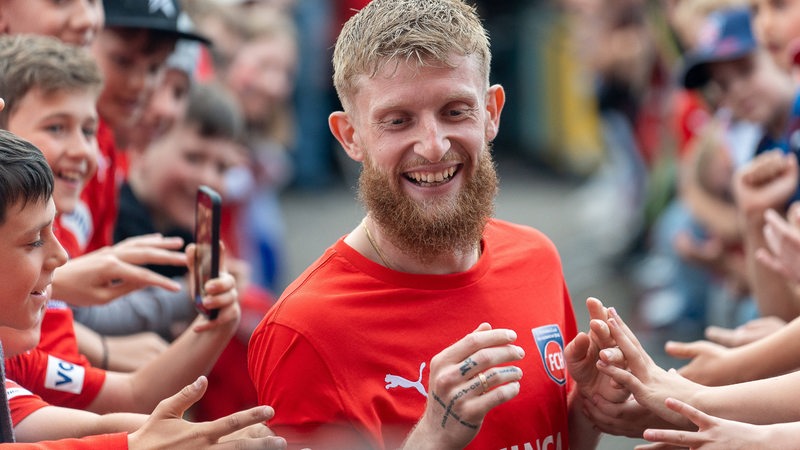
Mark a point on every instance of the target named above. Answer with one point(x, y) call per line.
point(427, 229)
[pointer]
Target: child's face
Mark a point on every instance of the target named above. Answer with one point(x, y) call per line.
point(753, 87)
point(165, 106)
point(31, 253)
point(776, 23)
point(131, 68)
point(262, 76)
point(73, 21)
point(63, 125)
point(175, 166)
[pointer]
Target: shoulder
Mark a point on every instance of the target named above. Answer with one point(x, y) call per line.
point(506, 233)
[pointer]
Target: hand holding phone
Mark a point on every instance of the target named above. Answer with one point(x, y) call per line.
point(207, 253)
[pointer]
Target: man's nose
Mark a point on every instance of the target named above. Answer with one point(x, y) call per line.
point(432, 143)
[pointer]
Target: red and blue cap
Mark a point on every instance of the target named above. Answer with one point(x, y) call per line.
point(726, 35)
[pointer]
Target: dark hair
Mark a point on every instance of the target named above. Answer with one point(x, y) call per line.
point(214, 112)
point(29, 62)
point(25, 175)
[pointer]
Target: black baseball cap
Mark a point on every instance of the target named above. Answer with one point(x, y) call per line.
point(725, 36)
point(160, 15)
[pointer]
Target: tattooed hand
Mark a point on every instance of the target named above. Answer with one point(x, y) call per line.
point(465, 383)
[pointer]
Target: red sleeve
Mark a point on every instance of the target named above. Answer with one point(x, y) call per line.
point(58, 381)
point(22, 402)
point(116, 441)
point(308, 409)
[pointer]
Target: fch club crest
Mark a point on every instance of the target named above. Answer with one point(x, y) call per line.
point(551, 346)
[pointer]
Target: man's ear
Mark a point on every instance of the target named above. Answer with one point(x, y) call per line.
point(341, 126)
point(495, 99)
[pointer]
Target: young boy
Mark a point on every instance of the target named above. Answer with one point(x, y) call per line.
point(31, 254)
point(131, 51)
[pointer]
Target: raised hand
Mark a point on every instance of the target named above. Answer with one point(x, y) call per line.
point(746, 333)
point(648, 383)
point(221, 294)
point(582, 354)
point(713, 433)
point(110, 272)
point(466, 382)
point(166, 429)
point(711, 364)
point(783, 242)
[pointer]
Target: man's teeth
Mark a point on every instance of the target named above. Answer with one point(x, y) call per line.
point(38, 292)
point(432, 177)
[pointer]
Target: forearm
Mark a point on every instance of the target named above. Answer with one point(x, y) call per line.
point(715, 214)
point(583, 435)
point(149, 309)
point(53, 423)
point(192, 354)
point(773, 355)
point(758, 402)
point(772, 292)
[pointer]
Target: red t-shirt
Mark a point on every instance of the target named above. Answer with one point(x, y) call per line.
point(58, 333)
point(344, 356)
point(22, 402)
point(57, 381)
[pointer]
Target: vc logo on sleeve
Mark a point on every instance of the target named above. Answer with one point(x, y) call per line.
point(551, 346)
point(64, 376)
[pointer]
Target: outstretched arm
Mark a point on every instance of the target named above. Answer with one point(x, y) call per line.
point(714, 365)
point(759, 402)
point(719, 434)
point(767, 182)
point(192, 354)
point(165, 428)
point(105, 274)
point(466, 382)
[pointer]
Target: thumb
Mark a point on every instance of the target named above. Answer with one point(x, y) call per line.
point(176, 405)
point(682, 350)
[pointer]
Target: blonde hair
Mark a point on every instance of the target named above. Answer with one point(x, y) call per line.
point(425, 32)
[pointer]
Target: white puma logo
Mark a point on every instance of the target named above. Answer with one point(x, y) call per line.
point(394, 381)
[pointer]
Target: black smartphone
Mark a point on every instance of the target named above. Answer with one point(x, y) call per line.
point(206, 238)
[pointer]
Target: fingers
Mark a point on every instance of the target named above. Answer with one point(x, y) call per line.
point(151, 255)
point(621, 376)
point(231, 423)
point(151, 240)
point(601, 334)
point(481, 338)
point(175, 406)
point(131, 277)
point(697, 417)
point(676, 438)
point(683, 350)
point(576, 350)
point(596, 309)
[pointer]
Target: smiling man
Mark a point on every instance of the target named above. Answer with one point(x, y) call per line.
point(411, 330)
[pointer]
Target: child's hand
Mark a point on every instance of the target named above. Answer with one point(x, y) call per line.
point(220, 293)
point(768, 181)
